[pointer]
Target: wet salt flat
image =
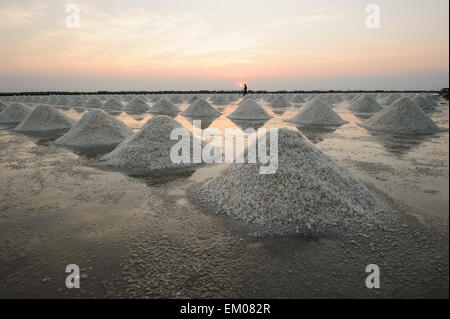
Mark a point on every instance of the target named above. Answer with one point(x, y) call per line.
point(143, 237)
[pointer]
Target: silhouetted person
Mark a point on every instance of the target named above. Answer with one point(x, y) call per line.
point(245, 89)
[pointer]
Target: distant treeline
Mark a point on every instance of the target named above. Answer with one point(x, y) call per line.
point(210, 92)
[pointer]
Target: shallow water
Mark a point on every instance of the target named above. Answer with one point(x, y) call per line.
point(140, 236)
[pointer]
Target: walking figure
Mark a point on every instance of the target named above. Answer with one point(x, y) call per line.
point(245, 89)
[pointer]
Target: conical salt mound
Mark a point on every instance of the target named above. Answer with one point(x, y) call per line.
point(164, 107)
point(391, 98)
point(200, 108)
point(366, 104)
point(94, 103)
point(279, 101)
point(220, 100)
point(317, 113)
point(44, 118)
point(14, 113)
point(3, 106)
point(63, 101)
point(136, 106)
point(249, 110)
point(424, 104)
point(193, 99)
point(308, 191)
point(176, 99)
point(403, 116)
point(296, 99)
point(77, 102)
point(112, 104)
point(95, 129)
point(149, 149)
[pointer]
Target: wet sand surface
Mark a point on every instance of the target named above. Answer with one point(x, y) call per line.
point(142, 237)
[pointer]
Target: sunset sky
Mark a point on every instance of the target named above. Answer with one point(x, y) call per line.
point(199, 44)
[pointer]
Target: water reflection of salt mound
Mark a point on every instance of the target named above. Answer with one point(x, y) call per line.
point(96, 128)
point(164, 107)
point(279, 101)
point(14, 113)
point(136, 106)
point(112, 104)
point(403, 116)
point(249, 110)
point(317, 113)
point(147, 150)
point(366, 104)
point(308, 192)
point(201, 108)
point(425, 104)
point(44, 118)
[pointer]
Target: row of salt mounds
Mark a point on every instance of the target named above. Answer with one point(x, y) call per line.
point(147, 150)
point(220, 100)
point(95, 129)
point(297, 99)
point(176, 99)
point(425, 104)
point(309, 191)
point(63, 101)
point(200, 108)
point(249, 110)
point(317, 113)
point(44, 118)
point(137, 106)
point(14, 113)
point(279, 101)
point(403, 116)
point(112, 104)
point(164, 107)
point(94, 103)
point(3, 106)
point(366, 104)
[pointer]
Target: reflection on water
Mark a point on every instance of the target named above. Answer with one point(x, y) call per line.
point(317, 134)
point(245, 124)
point(400, 144)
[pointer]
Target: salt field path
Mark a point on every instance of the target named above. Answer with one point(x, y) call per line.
point(142, 237)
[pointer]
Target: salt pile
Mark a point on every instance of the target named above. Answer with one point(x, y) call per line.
point(403, 116)
point(63, 101)
point(147, 150)
point(391, 98)
point(317, 113)
point(249, 110)
point(112, 104)
point(220, 100)
point(279, 101)
point(193, 99)
point(3, 106)
point(424, 104)
point(296, 99)
point(14, 113)
point(94, 103)
point(176, 99)
point(200, 108)
point(308, 192)
point(164, 107)
point(44, 118)
point(136, 106)
point(95, 129)
point(52, 100)
point(366, 104)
